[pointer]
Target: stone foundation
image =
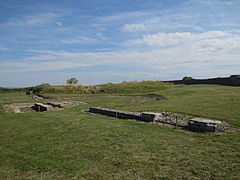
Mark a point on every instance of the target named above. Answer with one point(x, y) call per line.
point(175, 119)
point(40, 107)
point(115, 113)
point(16, 107)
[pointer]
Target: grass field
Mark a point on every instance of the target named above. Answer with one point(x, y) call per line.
point(71, 144)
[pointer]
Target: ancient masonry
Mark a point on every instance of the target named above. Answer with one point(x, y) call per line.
point(41, 107)
point(185, 121)
point(51, 106)
point(16, 107)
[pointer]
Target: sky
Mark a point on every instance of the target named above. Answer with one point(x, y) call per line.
point(100, 41)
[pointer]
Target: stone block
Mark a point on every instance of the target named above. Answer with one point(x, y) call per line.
point(150, 116)
point(203, 125)
point(40, 107)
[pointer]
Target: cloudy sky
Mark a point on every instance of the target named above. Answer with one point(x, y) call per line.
point(99, 41)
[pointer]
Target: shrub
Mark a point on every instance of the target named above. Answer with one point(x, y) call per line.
point(72, 81)
point(186, 78)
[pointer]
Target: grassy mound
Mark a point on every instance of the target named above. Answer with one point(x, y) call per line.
point(66, 89)
point(134, 87)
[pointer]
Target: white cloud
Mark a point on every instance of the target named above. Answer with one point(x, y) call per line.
point(3, 49)
point(167, 39)
point(33, 20)
point(11, 67)
point(59, 24)
point(133, 27)
point(183, 18)
point(124, 16)
point(85, 39)
point(101, 36)
point(204, 2)
point(40, 57)
point(213, 2)
point(80, 39)
point(165, 22)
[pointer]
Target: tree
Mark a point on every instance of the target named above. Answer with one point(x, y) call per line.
point(235, 76)
point(72, 81)
point(186, 78)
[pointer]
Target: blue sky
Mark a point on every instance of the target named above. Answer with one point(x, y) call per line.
point(49, 41)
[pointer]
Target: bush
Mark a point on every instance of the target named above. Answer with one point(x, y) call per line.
point(186, 78)
point(72, 81)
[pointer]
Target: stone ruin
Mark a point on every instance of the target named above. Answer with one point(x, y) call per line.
point(40, 107)
point(17, 107)
point(196, 124)
point(50, 106)
point(204, 125)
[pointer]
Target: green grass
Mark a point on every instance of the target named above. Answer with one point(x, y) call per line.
point(110, 88)
point(13, 97)
point(70, 144)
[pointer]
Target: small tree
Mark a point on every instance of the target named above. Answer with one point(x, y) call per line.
point(186, 78)
point(72, 81)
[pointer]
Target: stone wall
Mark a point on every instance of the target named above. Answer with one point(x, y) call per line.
point(162, 117)
point(175, 119)
point(115, 113)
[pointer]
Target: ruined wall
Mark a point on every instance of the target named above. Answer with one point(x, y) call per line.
point(176, 119)
point(115, 113)
point(161, 117)
point(203, 125)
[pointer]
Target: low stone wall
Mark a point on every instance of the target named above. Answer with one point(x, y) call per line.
point(115, 113)
point(162, 117)
point(175, 119)
point(50, 106)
